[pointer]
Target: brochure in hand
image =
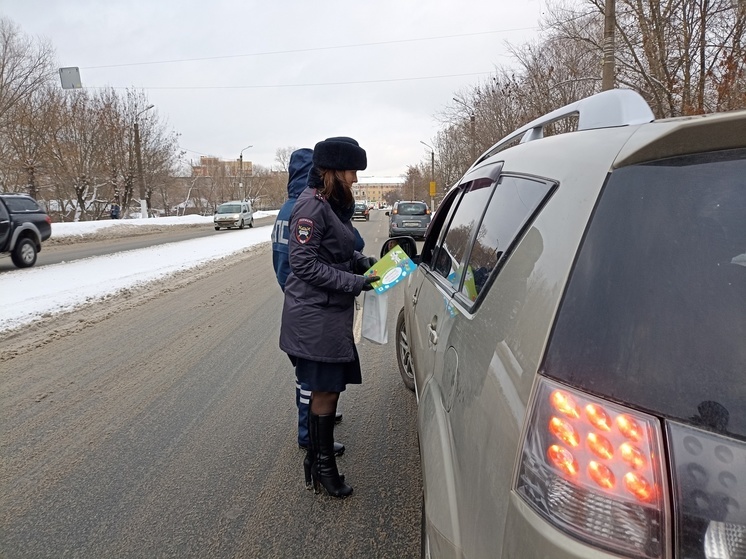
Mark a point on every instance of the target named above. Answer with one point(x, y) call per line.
point(393, 267)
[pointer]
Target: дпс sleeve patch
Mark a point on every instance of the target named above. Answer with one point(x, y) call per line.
point(304, 230)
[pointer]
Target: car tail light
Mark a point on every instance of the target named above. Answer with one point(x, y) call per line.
point(594, 469)
point(709, 488)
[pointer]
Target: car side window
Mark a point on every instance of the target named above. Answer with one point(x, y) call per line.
point(440, 219)
point(449, 258)
point(514, 202)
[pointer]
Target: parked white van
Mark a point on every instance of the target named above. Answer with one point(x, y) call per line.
point(234, 214)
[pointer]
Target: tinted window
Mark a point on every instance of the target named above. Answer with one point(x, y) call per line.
point(449, 257)
point(440, 219)
point(655, 312)
point(515, 200)
point(21, 204)
point(407, 208)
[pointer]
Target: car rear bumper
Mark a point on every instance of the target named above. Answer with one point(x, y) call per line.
point(407, 231)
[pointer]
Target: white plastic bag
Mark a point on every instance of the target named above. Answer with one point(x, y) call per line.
point(357, 326)
point(375, 312)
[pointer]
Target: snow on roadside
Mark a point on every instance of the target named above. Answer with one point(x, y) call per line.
point(33, 293)
point(90, 228)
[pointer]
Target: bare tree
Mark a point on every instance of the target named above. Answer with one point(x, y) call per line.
point(28, 131)
point(26, 66)
point(282, 157)
point(684, 56)
point(267, 188)
point(78, 154)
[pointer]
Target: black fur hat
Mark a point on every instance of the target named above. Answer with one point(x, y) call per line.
point(340, 153)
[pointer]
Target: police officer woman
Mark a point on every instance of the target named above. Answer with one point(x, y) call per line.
point(317, 315)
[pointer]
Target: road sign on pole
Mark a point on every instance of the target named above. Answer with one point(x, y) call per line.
point(70, 78)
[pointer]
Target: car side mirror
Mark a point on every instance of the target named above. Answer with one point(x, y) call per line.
point(407, 244)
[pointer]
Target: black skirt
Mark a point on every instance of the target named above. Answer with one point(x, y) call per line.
point(327, 377)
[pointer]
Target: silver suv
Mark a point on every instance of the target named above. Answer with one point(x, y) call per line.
point(575, 334)
point(409, 218)
point(234, 214)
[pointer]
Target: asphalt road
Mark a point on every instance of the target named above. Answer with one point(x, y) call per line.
point(164, 425)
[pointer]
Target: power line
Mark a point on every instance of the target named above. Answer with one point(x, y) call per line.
point(298, 84)
point(292, 51)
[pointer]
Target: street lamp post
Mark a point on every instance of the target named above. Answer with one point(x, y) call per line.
point(473, 130)
point(432, 175)
point(138, 155)
point(240, 171)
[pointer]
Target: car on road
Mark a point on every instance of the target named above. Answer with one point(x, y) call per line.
point(24, 225)
point(236, 214)
point(574, 334)
point(361, 211)
point(409, 218)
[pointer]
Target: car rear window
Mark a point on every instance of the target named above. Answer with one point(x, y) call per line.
point(415, 208)
point(655, 311)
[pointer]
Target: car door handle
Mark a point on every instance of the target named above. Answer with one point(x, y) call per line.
point(432, 335)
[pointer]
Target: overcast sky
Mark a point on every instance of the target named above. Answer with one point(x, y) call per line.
point(278, 73)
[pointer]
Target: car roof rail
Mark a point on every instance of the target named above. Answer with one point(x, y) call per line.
point(616, 107)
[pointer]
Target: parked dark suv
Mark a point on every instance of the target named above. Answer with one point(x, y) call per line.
point(575, 333)
point(409, 218)
point(23, 227)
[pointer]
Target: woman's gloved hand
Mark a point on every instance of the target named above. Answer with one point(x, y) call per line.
point(365, 264)
point(368, 280)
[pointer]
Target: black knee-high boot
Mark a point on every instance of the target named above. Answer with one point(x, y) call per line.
point(310, 457)
point(324, 467)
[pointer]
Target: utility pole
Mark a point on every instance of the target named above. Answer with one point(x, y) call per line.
point(472, 128)
point(607, 81)
point(138, 156)
point(432, 175)
point(240, 172)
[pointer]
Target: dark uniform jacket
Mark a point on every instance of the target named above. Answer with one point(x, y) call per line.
point(301, 161)
point(320, 290)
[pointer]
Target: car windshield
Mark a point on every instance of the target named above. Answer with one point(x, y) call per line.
point(405, 208)
point(655, 311)
point(229, 209)
point(359, 207)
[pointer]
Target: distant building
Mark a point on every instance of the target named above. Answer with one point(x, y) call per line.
point(374, 189)
point(213, 167)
